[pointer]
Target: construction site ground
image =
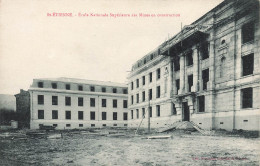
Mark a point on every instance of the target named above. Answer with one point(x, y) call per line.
point(123, 147)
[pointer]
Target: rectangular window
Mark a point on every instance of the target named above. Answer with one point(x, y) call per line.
point(80, 115)
point(143, 78)
point(40, 84)
point(201, 103)
point(104, 89)
point(151, 77)
point(132, 99)
point(150, 94)
point(40, 99)
point(67, 125)
point(177, 85)
point(67, 114)
point(205, 78)
point(158, 111)
point(132, 114)
point(137, 83)
point(54, 85)
point(92, 88)
point(80, 125)
point(104, 102)
point(40, 114)
point(67, 101)
point(132, 85)
point(204, 51)
point(248, 64)
point(137, 113)
point(67, 86)
point(104, 116)
point(151, 111)
point(124, 91)
point(176, 63)
point(54, 100)
point(114, 90)
point(248, 32)
point(174, 112)
point(189, 59)
point(190, 82)
point(158, 73)
point(104, 125)
point(137, 98)
point(114, 115)
point(54, 114)
point(143, 112)
point(92, 125)
point(92, 115)
point(125, 104)
point(143, 95)
point(247, 97)
point(80, 88)
point(80, 101)
point(55, 125)
point(92, 102)
point(158, 92)
point(125, 116)
point(114, 103)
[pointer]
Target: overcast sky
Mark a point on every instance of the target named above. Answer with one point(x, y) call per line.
point(33, 45)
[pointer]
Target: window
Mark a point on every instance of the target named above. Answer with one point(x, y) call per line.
point(55, 125)
point(204, 51)
point(143, 112)
point(92, 115)
point(68, 115)
point(104, 125)
point(114, 124)
point(144, 61)
point(201, 103)
point(40, 99)
point(104, 102)
point(176, 63)
point(205, 78)
point(125, 91)
point(114, 115)
point(132, 114)
point(137, 113)
point(137, 98)
point(80, 125)
point(104, 89)
point(151, 77)
point(174, 112)
point(189, 59)
point(104, 116)
point(67, 86)
point(40, 114)
point(114, 90)
point(248, 64)
point(151, 111)
point(80, 115)
point(158, 92)
point(132, 99)
point(67, 101)
point(67, 125)
point(137, 83)
point(125, 104)
point(222, 67)
point(247, 97)
point(151, 56)
point(54, 100)
point(80, 88)
point(92, 102)
point(143, 78)
point(40, 84)
point(92, 88)
point(125, 116)
point(190, 82)
point(54, 114)
point(143, 96)
point(114, 103)
point(80, 101)
point(54, 85)
point(248, 32)
point(158, 111)
point(177, 85)
point(92, 125)
point(132, 85)
point(158, 73)
point(150, 94)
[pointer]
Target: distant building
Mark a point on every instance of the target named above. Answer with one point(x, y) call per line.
point(208, 73)
point(23, 108)
point(69, 103)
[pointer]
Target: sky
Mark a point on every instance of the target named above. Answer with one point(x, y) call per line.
point(34, 45)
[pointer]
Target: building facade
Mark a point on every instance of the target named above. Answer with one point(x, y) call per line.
point(23, 108)
point(208, 73)
point(76, 103)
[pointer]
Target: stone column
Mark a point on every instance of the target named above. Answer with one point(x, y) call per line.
point(195, 69)
point(212, 66)
point(182, 74)
point(172, 78)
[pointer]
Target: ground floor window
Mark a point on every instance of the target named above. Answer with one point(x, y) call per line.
point(201, 104)
point(114, 115)
point(40, 114)
point(92, 115)
point(247, 97)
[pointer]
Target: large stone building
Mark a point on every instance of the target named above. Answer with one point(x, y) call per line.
point(208, 73)
point(76, 103)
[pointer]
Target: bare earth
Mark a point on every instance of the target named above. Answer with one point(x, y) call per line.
point(181, 149)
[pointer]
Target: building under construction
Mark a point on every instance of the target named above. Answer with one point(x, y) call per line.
point(208, 73)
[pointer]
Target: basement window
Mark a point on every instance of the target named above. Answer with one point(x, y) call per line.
point(93, 125)
point(104, 125)
point(248, 32)
point(67, 125)
point(190, 82)
point(247, 97)
point(201, 103)
point(125, 125)
point(114, 124)
point(55, 125)
point(80, 125)
point(248, 64)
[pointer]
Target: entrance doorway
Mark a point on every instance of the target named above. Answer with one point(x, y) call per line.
point(185, 112)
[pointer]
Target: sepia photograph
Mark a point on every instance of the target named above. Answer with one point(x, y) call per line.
point(129, 82)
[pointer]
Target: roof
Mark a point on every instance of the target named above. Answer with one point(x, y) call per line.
point(84, 81)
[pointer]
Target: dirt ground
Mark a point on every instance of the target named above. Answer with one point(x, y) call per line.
point(182, 149)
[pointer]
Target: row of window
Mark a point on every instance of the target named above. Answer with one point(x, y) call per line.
point(80, 87)
point(150, 95)
point(81, 125)
point(158, 76)
point(80, 115)
point(80, 101)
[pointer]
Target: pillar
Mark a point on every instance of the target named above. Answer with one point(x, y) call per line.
point(182, 74)
point(195, 69)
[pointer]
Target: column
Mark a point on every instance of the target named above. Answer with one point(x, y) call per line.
point(212, 66)
point(182, 74)
point(195, 69)
point(172, 78)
